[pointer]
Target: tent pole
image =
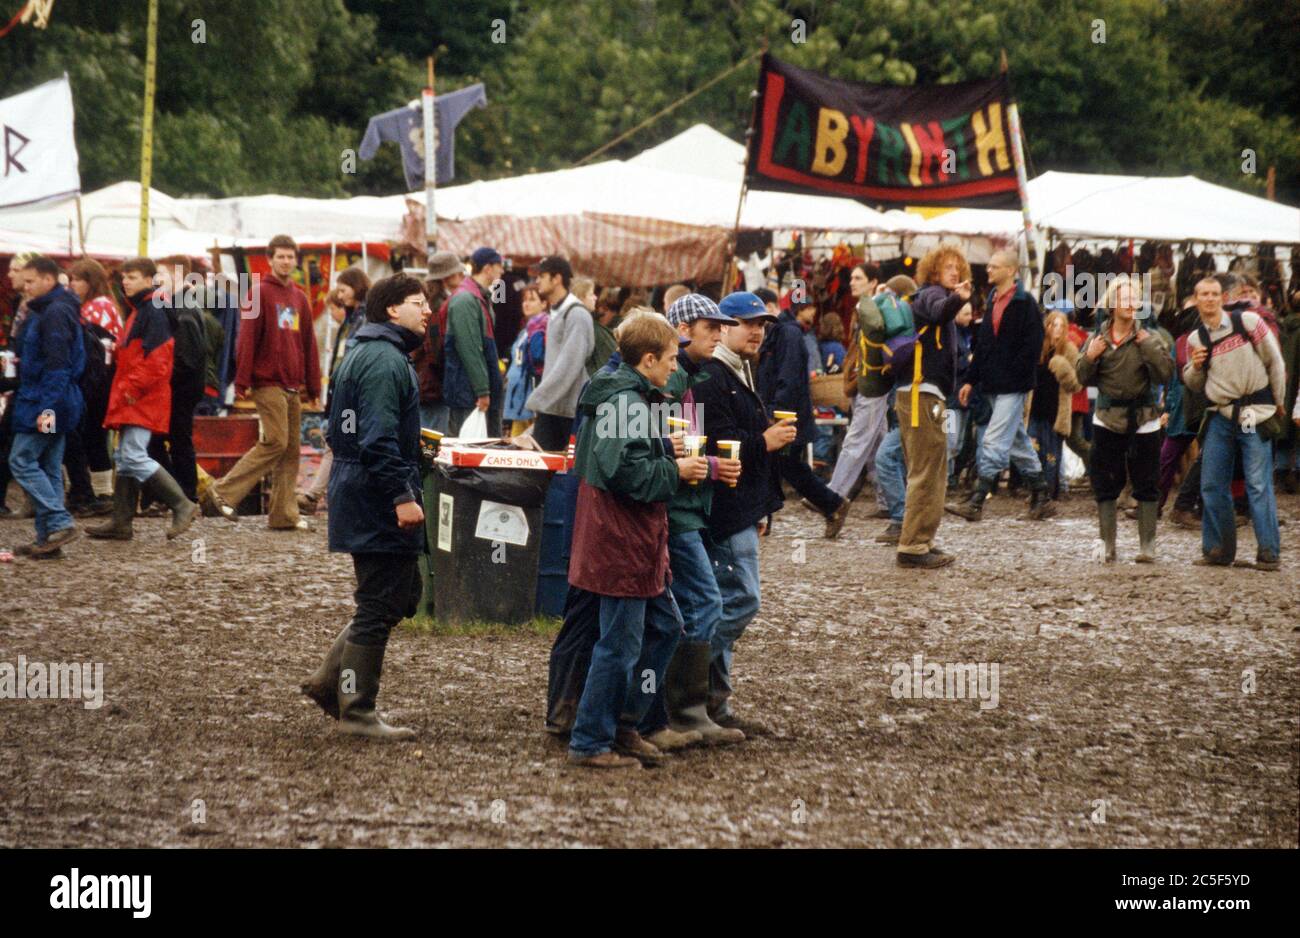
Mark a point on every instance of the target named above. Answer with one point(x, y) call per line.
point(430, 171)
point(146, 134)
point(1022, 182)
point(729, 252)
point(81, 227)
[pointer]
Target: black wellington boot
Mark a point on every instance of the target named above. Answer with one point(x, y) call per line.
point(359, 671)
point(1040, 504)
point(118, 528)
point(167, 490)
point(323, 686)
point(973, 508)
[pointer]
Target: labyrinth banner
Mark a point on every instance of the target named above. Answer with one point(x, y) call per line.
point(883, 144)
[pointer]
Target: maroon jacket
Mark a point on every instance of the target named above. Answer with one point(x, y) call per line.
point(620, 547)
point(277, 344)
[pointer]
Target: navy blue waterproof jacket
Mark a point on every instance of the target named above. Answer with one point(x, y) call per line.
point(732, 411)
point(1007, 363)
point(374, 431)
point(782, 374)
point(52, 357)
point(935, 307)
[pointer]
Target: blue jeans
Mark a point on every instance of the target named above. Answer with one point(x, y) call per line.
point(1218, 525)
point(132, 457)
point(694, 586)
point(1006, 442)
point(435, 416)
point(891, 474)
point(699, 601)
point(636, 635)
point(735, 566)
point(956, 427)
point(36, 461)
point(1048, 443)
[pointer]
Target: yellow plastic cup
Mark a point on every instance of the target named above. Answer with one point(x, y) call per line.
point(695, 447)
point(731, 449)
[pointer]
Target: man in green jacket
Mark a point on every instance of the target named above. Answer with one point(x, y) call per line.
point(472, 371)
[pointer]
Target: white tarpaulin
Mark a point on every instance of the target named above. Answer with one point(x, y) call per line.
point(1079, 206)
point(37, 146)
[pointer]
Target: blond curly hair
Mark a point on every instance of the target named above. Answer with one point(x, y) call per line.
point(927, 271)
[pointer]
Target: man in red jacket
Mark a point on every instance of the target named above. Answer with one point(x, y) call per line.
point(276, 365)
point(140, 405)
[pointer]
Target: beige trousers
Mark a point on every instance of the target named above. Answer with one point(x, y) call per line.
point(277, 453)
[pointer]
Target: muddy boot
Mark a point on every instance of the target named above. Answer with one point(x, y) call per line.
point(359, 670)
point(1107, 519)
point(973, 508)
point(1148, 514)
point(1040, 504)
point(163, 487)
point(835, 520)
point(669, 740)
point(628, 742)
point(118, 528)
point(323, 686)
point(686, 693)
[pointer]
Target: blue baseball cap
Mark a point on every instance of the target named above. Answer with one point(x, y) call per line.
point(695, 306)
point(743, 305)
point(484, 256)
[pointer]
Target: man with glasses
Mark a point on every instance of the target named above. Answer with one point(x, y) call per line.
point(376, 514)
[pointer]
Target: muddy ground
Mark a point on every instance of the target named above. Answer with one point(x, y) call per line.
point(1121, 719)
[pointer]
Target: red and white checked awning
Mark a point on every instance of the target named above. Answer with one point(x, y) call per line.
point(611, 249)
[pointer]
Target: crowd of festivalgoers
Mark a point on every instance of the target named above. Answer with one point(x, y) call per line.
point(952, 391)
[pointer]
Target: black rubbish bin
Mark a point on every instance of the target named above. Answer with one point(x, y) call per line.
point(485, 542)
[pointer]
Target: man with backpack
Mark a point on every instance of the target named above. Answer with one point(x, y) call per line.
point(924, 370)
point(1008, 343)
point(1235, 360)
point(869, 424)
point(47, 404)
point(570, 341)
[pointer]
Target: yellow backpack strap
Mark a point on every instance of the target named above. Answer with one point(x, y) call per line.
point(916, 378)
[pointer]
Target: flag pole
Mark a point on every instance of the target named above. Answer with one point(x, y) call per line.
point(729, 252)
point(1022, 182)
point(146, 134)
point(430, 171)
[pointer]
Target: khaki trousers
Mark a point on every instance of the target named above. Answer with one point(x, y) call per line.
point(277, 453)
point(925, 449)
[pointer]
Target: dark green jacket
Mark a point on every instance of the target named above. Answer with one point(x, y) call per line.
point(374, 431)
point(871, 324)
point(619, 449)
point(620, 525)
point(689, 509)
point(216, 337)
point(606, 344)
